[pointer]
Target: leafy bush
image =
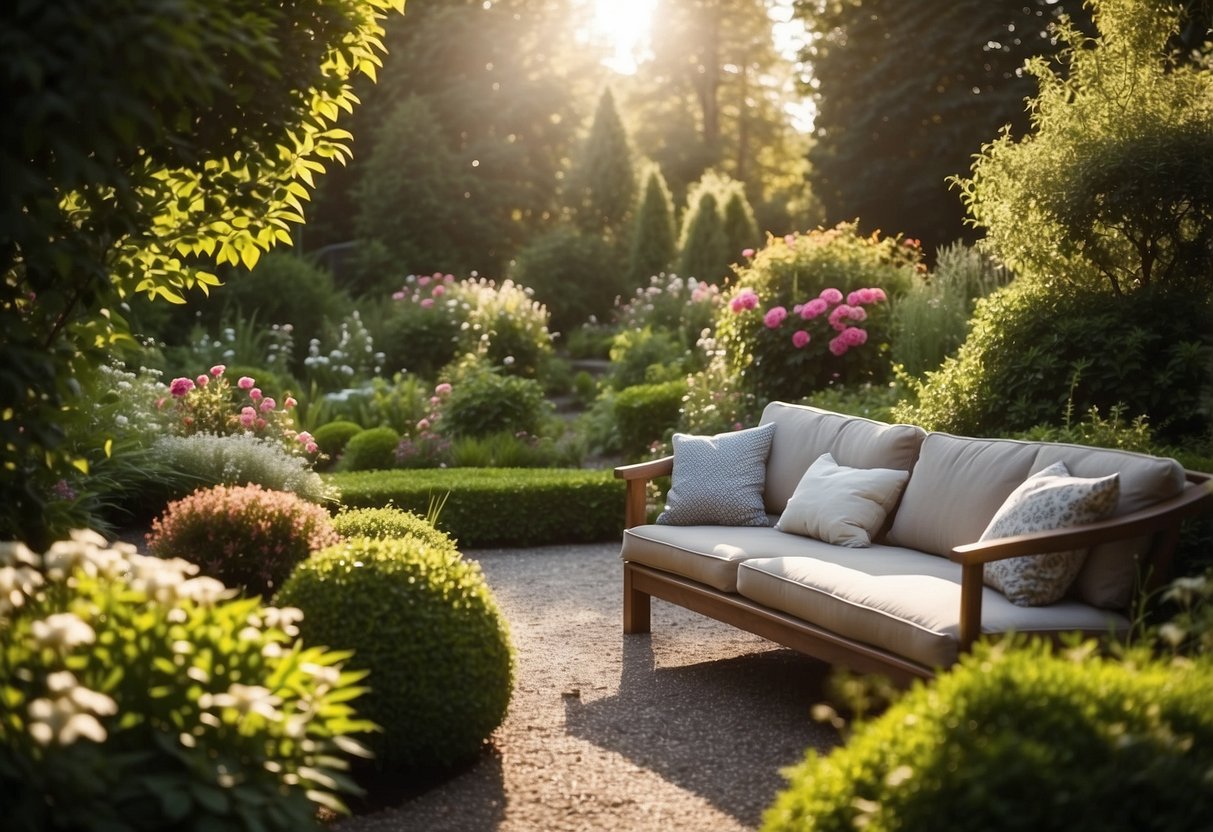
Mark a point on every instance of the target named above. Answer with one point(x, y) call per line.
point(647, 355)
point(499, 506)
point(647, 413)
point(684, 307)
point(506, 326)
point(332, 437)
point(513, 450)
point(244, 535)
point(422, 620)
point(932, 319)
point(484, 402)
point(242, 459)
point(577, 276)
point(1096, 743)
point(419, 332)
point(351, 361)
point(804, 281)
point(1038, 350)
point(398, 402)
point(139, 698)
point(388, 523)
point(369, 450)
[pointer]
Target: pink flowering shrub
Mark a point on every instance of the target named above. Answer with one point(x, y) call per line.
point(425, 446)
point(209, 404)
point(242, 535)
point(811, 310)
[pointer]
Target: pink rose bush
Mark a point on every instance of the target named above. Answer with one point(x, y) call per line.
point(841, 317)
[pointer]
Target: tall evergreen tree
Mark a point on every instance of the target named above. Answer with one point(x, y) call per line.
point(602, 184)
point(654, 233)
point(740, 229)
point(703, 249)
point(905, 100)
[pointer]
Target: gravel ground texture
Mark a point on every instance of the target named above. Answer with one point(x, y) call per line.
point(684, 729)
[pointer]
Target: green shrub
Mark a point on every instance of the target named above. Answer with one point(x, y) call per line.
point(418, 338)
point(810, 310)
point(422, 620)
point(506, 326)
point(499, 506)
point(244, 535)
point(1039, 350)
point(577, 276)
point(1016, 739)
point(682, 307)
point(484, 402)
point(647, 413)
point(645, 355)
point(138, 698)
point(243, 459)
point(388, 523)
point(332, 437)
point(512, 450)
point(369, 450)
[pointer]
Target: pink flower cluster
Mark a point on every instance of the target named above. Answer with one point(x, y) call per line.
point(424, 290)
point(841, 316)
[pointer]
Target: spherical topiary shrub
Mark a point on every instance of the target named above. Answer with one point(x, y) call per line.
point(387, 523)
point(1022, 739)
point(243, 535)
point(332, 437)
point(370, 450)
point(423, 622)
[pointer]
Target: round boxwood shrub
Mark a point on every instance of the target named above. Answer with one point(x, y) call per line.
point(370, 450)
point(332, 437)
point(1022, 738)
point(243, 535)
point(1041, 349)
point(388, 523)
point(422, 620)
point(647, 413)
point(483, 402)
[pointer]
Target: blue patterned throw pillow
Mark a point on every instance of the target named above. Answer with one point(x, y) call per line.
point(719, 480)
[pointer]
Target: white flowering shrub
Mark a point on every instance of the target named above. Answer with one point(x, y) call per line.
point(137, 696)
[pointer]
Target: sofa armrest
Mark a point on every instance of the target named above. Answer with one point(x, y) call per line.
point(638, 476)
point(1164, 516)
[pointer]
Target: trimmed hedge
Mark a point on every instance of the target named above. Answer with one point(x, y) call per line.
point(647, 413)
point(487, 507)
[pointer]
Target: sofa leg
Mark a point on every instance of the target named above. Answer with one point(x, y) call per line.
point(636, 605)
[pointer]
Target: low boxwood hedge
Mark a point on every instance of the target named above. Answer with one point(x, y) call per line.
point(498, 506)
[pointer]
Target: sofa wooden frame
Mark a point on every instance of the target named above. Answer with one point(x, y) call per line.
point(642, 583)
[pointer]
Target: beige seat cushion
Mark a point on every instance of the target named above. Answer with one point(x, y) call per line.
point(708, 554)
point(899, 600)
point(802, 434)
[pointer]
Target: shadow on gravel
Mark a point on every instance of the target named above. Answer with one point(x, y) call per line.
point(722, 729)
point(471, 797)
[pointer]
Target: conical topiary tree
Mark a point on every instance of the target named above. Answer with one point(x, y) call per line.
point(602, 185)
point(703, 249)
point(654, 233)
point(740, 227)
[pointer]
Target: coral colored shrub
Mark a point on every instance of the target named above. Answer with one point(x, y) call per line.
point(245, 536)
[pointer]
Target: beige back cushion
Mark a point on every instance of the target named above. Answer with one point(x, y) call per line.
point(803, 433)
point(959, 483)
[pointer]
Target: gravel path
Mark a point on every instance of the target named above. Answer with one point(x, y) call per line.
point(686, 729)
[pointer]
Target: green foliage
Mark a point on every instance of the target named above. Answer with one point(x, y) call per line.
point(241, 459)
point(703, 248)
point(156, 163)
point(931, 320)
point(138, 698)
point(422, 620)
point(506, 327)
point(654, 231)
point(686, 308)
point(499, 506)
point(794, 273)
point(646, 414)
point(602, 184)
point(1098, 743)
point(1039, 350)
point(870, 401)
point(332, 437)
point(370, 450)
point(576, 276)
point(243, 535)
point(717, 400)
point(396, 402)
point(737, 219)
point(1189, 628)
point(388, 523)
point(1113, 184)
point(513, 450)
point(485, 402)
point(902, 103)
point(647, 355)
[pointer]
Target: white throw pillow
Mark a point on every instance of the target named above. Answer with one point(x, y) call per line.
point(840, 505)
point(1049, 499)
point(719, 480)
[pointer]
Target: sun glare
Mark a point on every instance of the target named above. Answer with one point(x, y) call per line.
point(624, 28)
